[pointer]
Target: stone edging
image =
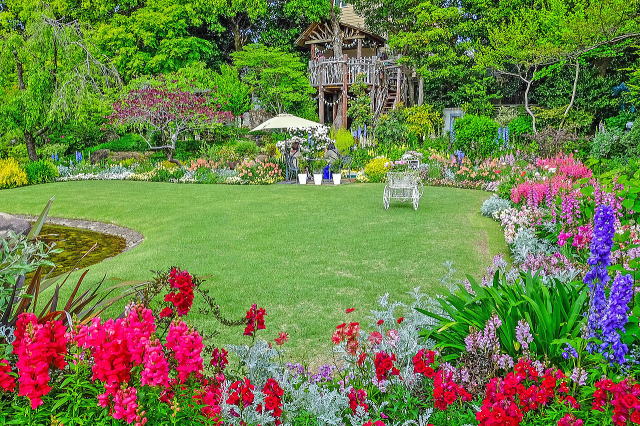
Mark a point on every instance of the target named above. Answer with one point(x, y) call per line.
point(132, 238)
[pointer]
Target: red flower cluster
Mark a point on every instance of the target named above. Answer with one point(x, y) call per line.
point(446, 391)
point(7, 382)
point(508, 399)
point(187, 346)
point(125, 407)
point(383, 363)
point(182, 299)
point(272, 399)
point(210, 398)
point(255, 320)
point(358, 398)
point(376, 423)
point(570, 420)
point(282, 338)
point(347, 333)
point(624, 397)
point(241, 393)
point(219, 359)
point(422, 362)
point(38, 347)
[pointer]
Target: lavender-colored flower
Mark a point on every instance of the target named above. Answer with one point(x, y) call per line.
point(615, 318)
point(523, 334)
point(324, 374)
point(598, 276)
point(486, 339)
point(297, 369)
point(579, 376)
point(569, 352)
point(503, 361)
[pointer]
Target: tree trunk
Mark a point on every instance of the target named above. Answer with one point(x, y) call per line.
point(19, 71)
point(573, 94)
point(526, 104)
point(237, 40)
point(172, 149)
point(420, 90)
point(336, 34)
point(30, 141)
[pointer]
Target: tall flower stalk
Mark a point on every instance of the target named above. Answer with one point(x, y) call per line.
point(598, 277)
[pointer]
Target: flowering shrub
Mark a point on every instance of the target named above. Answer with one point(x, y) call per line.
point(11, 174)
point(259, 172)
point(376, 169)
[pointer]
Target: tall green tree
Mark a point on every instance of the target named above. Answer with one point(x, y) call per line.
point(277, 79)
point(51, 73)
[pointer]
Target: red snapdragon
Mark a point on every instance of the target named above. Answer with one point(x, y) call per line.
point(255, 320)
point(182, 298)
point(422, 362)
point(358, 398)
point(383, 363)
point(446, 391)
point(7, 382)
point(241, 393)
point(347, 333)
point(272, 399)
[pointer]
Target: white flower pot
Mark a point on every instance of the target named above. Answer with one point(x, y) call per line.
point(302, 178)
point(337, 178)
point(317, 178)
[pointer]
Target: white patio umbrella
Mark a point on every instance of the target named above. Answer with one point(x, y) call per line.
point(286, 122)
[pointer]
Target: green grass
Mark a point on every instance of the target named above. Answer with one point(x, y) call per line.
point(305, 253)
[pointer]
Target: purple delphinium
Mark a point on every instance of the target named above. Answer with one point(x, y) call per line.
point(615, 318)
point(523, 334)
point(569, 352)
point(598, 276)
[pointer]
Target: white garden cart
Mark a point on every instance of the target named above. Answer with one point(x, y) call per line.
point(403, 186)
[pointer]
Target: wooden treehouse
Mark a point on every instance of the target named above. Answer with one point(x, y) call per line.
point(363, 52)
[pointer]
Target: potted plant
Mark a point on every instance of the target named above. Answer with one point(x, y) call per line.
point(302, 171)
point(317, 167)
point(336, 171)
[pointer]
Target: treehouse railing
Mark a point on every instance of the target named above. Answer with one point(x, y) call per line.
point(331, 72)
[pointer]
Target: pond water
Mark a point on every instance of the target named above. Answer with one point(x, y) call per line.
point(75, 243)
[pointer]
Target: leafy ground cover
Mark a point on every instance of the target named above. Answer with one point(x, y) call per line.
point(307, 253)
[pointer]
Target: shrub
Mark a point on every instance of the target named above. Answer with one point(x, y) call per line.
point(42, 171)
point(11, 174)
point(128, 142)
point(246, 149)
point(424, 120)
point(392, 129)
point(476, 136)
point(376, 169)
point(520, 126)
point(494, 205)
point(48, 150)
point(604, 143)
point(344, 140)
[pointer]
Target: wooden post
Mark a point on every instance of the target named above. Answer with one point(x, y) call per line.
point(359, 48)
point(335, 106)
point(345, 90)
point(321, 104)
point(420, 90)
point(313, 52)
point(398, 86)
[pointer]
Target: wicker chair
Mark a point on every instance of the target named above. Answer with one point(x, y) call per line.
point(404, 187)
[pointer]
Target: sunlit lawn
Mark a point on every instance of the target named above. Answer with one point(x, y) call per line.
point(305, 253)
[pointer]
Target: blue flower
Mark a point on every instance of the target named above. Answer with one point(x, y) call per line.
point(598, 277)
point(569, 352)
point(615, 319)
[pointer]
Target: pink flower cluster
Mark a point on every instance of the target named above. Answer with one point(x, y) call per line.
point(186, 345)
point(39, 347)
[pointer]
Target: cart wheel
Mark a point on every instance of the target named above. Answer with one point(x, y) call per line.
point(416, 199)
point(385, 202)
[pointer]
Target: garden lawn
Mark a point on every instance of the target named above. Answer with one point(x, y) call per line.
point(305, 253)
